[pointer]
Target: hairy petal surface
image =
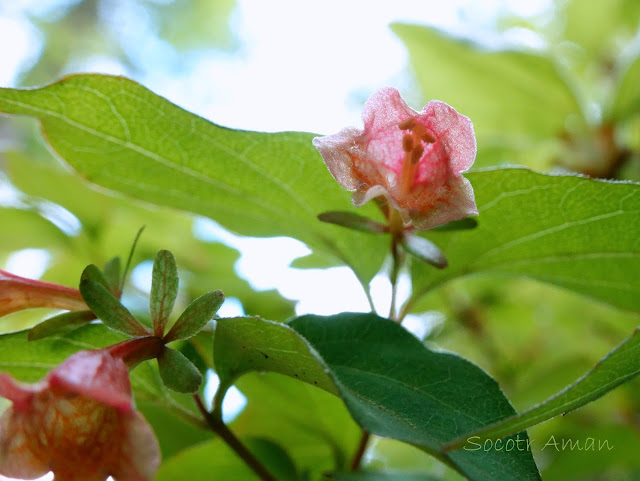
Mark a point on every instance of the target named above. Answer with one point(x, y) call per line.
point(78, 422)
point(420, 176)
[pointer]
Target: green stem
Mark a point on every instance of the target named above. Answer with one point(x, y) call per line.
point(214, 421)
point(393, 276)
point(396, 227)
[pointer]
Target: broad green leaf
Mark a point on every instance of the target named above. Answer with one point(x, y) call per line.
point(105, 218)
point(279, 407)
point(390, 455)
point(109, 309)
point(618, 367)
point(196, 316)
point(395, 387)
point(504, 92)
point(178, 372)
point(277, 460)
point(381, 476)
point(626, 99)
point(462, 224)
point(573, 232)
point(121, 136)
point(595, 25)
point(210, 461)
point(61, 324)
point(248, 344)
point(26, 228)
point(164, 290)
point(214, 460)
point(392, 385)
point(172, 432)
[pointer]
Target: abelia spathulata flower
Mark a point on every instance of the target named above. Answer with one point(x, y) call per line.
point(17, 293)
point(414, 159)
point(79, 422)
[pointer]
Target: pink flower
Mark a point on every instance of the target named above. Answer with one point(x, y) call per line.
point(414, 159)
point(17, 293)
point(79, 422)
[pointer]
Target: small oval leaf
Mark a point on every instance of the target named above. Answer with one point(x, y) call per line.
point(112, 275)
point(196, 316)
point(109, 310)
point(61, 324)
point(353, 221)
point(177, 372)
point(164, 290)
point(94, 273)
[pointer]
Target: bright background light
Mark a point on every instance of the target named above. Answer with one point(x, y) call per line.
point(305, 66)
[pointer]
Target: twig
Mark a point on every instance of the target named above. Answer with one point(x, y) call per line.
point(362, 448)
point(220, 428)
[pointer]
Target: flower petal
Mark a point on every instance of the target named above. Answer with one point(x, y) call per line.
point(383, 109)
point(97, 375)
point(15, 392)
point(140, 456)
point(414, 160)
point(17, 460)
point(335, 150)
point(454, 131)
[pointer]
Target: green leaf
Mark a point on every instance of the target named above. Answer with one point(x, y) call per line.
point(619, 366)
point(573, 232)
point(353, 221)
point(508, 92)
point(112, 275)
point(462, 224)
point(196, 316)
point(247, 344)
point(392, 385)
point(164, 290)
point(626, 100)
point(61, 324)
point(278, 407)
point(93, 273)
point(177, 372)
point(105, 218)
point(395, 387)
point(276, 459)
point(109, 310)
point(26, 228)
point(121, 136)
point(596, 26)
point(381, 476)
point(208, 461)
